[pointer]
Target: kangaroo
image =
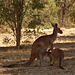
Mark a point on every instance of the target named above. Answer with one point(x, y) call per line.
point(41, 44)
point(56, 54)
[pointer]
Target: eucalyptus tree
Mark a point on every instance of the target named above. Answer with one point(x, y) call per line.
point(12, 12)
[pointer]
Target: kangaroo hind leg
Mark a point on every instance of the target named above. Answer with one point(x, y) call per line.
point(60, 62)
point(41, 60)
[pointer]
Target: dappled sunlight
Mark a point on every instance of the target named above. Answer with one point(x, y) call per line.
point(24, 25)
point(28, 38)
point(10, 55)
point(70, 58)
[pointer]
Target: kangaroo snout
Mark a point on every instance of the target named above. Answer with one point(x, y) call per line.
point(61, 32)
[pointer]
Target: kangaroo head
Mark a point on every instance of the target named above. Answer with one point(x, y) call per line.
point(57, 29)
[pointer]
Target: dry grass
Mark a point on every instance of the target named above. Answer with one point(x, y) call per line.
point(9, 55)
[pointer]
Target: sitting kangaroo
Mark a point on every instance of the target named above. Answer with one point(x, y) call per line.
point(56, 54)
point(41, 44)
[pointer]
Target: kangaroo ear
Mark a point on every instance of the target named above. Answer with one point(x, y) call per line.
point(56, 24)
point(52, 24)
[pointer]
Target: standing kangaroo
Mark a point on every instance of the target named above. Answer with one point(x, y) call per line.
point(41, 44)
point(56, 54)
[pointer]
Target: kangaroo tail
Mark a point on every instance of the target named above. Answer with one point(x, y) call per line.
point(31, 60)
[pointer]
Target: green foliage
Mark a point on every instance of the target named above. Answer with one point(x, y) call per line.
point(50, 11)
point(37, 4)
point(7, 13)
point(52, 6)
point(37, 12)
point(33, 23)
point(72, 15)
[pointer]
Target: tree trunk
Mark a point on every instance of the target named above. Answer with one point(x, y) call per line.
point(63, 10)
point(18, 35)
point(18, 29)
point(19, 16)
point(59, 17)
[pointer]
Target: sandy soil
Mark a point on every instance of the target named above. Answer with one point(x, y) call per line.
point(9, 55)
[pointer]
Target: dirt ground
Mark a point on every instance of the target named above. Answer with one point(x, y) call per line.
point(9, 55)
